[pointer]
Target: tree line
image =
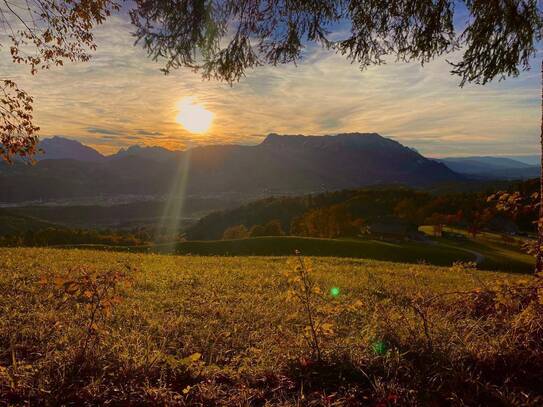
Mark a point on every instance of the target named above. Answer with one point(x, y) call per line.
point(53, 236)
point(352, 213)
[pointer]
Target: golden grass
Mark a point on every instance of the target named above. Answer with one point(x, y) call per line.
point(224, 331)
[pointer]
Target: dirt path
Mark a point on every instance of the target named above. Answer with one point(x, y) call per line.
point(479, 258)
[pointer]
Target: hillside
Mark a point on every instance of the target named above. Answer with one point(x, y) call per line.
point(148, 213)
point(14, 223)
point(396, 207)
point(280, 164)
point(220, 331)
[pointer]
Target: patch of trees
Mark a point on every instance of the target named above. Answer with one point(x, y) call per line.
point(283, 209)
point(329, 222)
point(351, 213)
point(272, 228)
point(61, 236)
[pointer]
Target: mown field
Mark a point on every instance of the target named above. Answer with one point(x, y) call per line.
point(93, 327)
point(442, 252)
point(404, 252)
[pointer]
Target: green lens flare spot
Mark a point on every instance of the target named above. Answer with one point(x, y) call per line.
point(379, 347)
point(334, 291)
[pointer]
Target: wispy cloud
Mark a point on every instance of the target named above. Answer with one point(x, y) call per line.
point(98, 130)
point(120, 98)
point(148, 133)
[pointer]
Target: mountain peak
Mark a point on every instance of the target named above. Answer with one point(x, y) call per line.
point(155, 153)
point(352, 140)
point(57, 147)
point(280, 138)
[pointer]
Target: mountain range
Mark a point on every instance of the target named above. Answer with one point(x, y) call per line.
point(281, 164)
point(494, 167)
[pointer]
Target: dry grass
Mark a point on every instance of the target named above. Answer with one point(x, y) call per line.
point(225, 331)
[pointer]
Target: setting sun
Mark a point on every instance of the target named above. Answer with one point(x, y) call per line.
point(193, 116)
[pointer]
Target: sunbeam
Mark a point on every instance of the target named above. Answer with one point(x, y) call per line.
point(168, 228)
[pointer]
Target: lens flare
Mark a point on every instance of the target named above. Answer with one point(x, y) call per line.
point(334, 291)
point(379, 347)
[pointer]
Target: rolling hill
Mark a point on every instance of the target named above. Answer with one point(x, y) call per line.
point(13, 223)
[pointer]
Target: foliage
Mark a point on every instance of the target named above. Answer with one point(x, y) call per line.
point(501, 37)
point(331, 222)
point(222, 331)
point(51, 236)
point(17, 131)
point(224, 39)
point(95, 292)
point(349, 212)
point(42, 34)
point(517, 204)
point(256, 231)
point(304, 290)
point(273, 228)
point(235, 232)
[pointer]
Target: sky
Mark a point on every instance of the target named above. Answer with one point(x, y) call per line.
point(121, 98)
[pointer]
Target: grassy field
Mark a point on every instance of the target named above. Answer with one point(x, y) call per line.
point(490, 250)
point(192, 330)
point(498, 254)
point(403, 252)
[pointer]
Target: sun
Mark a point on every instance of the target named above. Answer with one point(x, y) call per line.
point(193, 116)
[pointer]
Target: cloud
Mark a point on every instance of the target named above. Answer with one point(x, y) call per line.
point(98, 130)
point(122, 94)
point(148, 133)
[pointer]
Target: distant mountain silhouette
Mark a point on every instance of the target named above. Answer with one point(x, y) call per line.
point(56, 148)
point(527, 159)
point(313, 163)
point(151, 153)
point(280, 164)
point(491, 167)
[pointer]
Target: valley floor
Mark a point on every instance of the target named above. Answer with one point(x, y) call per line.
point(104, 327)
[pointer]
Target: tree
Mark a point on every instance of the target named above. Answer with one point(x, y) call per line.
point(235, 232)
point(328, 222)
point(437, 221)
point(273, 228)
point(360, 227)
point(41, 34)
point(223, 39)
point(257, 231)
